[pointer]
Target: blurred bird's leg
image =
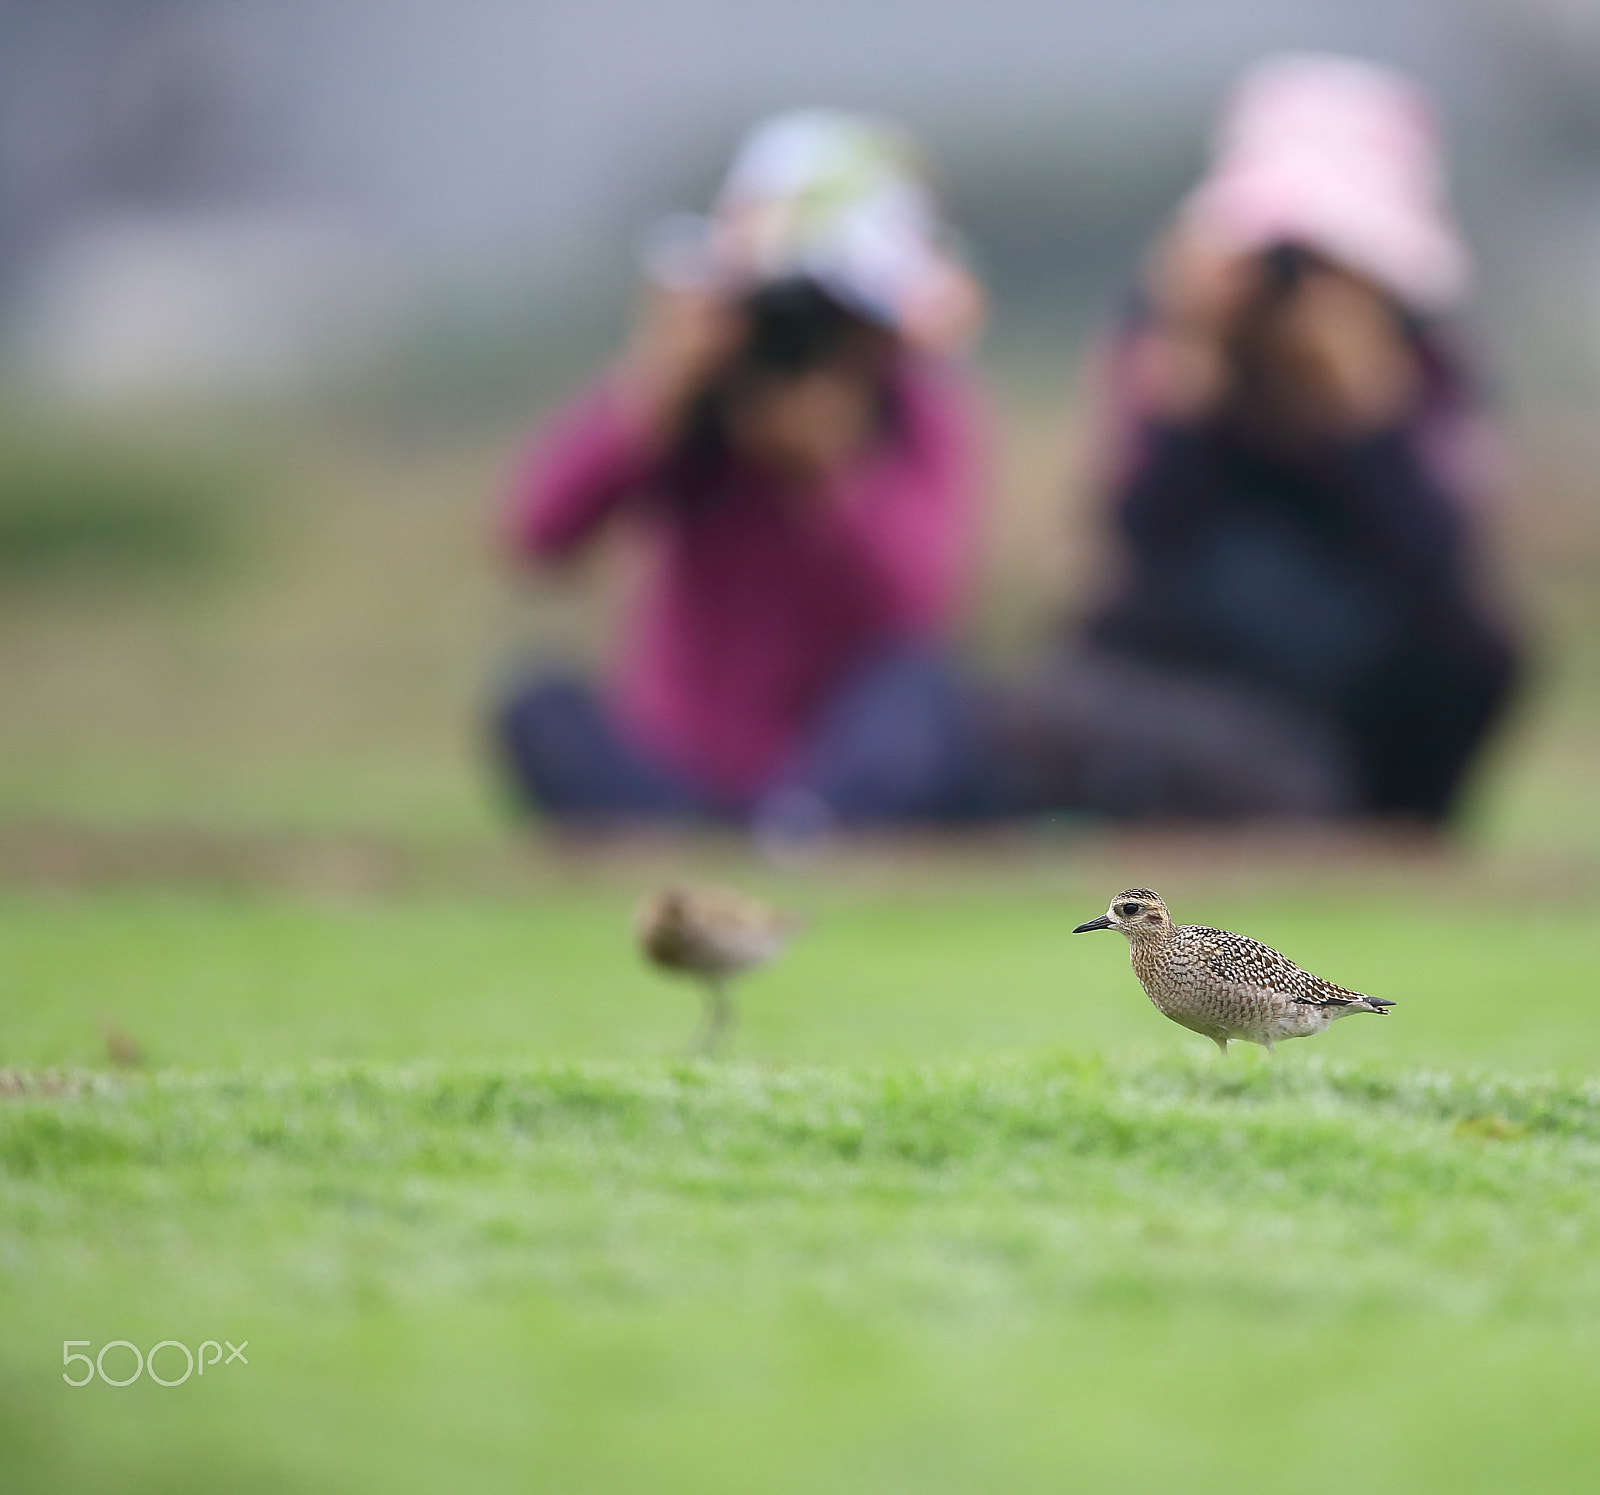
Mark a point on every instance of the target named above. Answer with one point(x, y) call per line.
point(1222, 1046)
point(719, 1016)
point(722, 1013)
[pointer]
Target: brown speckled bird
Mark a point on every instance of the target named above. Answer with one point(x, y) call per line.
point(122, 1048)
point(1224, 985)
point(715, 935)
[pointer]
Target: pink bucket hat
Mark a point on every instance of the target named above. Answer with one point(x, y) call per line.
point(1343, 157)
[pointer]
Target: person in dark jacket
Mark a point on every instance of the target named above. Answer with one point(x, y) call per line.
point(1298, 456)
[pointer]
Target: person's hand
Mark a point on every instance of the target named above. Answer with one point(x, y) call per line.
point(1326, 358)
point(1197, 291)
point(1198, 286)
point(1355, 371)
point(680, 337)
point(944, 311)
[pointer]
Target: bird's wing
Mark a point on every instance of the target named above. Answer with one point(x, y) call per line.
point(1318, 992)
point(736, 931)
point(1248, 962)
point(758, 939)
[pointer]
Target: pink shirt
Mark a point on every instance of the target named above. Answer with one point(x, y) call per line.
point(763, 596)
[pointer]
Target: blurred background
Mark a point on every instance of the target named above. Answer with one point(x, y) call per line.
point(282, 285)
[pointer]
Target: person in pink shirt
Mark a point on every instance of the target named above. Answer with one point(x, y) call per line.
point(789, 429)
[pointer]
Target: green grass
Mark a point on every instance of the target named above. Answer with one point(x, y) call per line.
point(433, 1157)
point(994, 1274)
point(1486, 970)
point(113, 510)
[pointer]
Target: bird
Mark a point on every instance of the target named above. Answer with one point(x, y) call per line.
point(1226, 986)
point(122, 1048)
point(713, 934)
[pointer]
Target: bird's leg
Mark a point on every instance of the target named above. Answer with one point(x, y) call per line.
point(1222, 1045)
point(719, 1016)
point(705, 1035)
point(724, 1012)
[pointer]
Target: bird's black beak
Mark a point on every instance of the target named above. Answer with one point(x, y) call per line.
point(1103, 922)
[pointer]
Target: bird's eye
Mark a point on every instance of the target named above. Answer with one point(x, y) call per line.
point(1127, 910)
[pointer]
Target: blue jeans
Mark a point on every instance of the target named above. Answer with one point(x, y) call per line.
point(901, 741)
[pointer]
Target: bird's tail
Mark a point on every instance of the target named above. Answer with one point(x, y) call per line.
point(1339, 1003)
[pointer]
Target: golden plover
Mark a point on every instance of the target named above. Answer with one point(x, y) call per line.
point(714, 935)
point(122, 1048)
point(1224, 985)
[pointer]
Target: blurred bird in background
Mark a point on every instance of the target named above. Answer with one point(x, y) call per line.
point(122, 1048)
point(714, 935)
